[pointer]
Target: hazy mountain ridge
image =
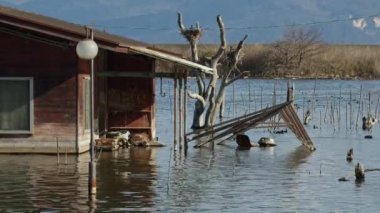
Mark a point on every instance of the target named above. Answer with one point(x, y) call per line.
point(155, 21)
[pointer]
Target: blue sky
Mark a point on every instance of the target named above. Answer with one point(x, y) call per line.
point(154, 21)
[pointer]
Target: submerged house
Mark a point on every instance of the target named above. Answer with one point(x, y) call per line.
point(44, 86)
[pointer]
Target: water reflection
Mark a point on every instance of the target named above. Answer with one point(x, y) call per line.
point(297, 157)
point(125, 179)
point(225, 179)
point(359, 183)
point(191, 179)
point(36, 182)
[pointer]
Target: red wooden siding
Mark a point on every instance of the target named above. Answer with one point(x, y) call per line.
point(58, 93)
point(130, 100)
point(55, 83)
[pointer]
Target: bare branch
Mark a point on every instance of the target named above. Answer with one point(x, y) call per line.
point(223, 43)
point(196, 97)
point(241, 75)
point(232, 58)
point(198, 26)
point(200, 83)
point(180, 22)
point(240, 45)
point(236, 53)
point(192, 35)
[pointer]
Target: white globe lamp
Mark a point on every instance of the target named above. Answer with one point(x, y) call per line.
point(87, 49)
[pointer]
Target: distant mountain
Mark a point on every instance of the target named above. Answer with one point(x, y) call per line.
point(154, 21)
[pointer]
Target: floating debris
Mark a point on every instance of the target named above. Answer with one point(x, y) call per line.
point(113, 141)
point(283, 131)
point(243, 141)
point(344, 179)
point(266, 142)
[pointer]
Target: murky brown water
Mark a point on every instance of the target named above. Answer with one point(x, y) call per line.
point(285, 178)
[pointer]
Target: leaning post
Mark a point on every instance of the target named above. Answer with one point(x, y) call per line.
point(180, 112)
point(175, 112)
point(184, 109)
point(290, 92)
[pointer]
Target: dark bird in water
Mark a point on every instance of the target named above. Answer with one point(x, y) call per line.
point(359, 172)
point(350, 155)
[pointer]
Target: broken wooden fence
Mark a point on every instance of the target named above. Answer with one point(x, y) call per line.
point(227, 129)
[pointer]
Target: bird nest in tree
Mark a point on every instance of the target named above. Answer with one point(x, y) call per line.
point(192, 34)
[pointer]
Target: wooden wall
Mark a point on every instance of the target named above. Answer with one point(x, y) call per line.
point(54, 72)
point(130, 101)
point(58, 79)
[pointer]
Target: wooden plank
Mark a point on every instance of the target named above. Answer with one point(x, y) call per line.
point(241, 119)
point(290, 116)
point(257, 118)
point(243, 126)
point(171, 58)
point(231, 123)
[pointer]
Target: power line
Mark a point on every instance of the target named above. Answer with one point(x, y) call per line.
point(239, 28)
point(304, 24)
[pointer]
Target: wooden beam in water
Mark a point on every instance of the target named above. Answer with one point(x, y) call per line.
point(233, 122)
point(238, 125)
point(175, 114)
point(290, 116)
point(180, 112)
point(184, 109)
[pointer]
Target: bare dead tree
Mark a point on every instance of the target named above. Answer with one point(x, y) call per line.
point(224, 68)
point(297, 45)
point(228, 74)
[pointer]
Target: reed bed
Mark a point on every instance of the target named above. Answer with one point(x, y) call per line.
point(332, 61)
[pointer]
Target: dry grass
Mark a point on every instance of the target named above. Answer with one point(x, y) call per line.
point(334, 61)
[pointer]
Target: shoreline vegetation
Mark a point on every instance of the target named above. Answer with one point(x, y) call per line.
point(330, 61)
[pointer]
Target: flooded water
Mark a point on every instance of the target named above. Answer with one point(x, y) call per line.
point(285, 178)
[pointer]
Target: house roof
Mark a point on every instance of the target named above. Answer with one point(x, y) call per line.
point(59, 28)
point(74, 32)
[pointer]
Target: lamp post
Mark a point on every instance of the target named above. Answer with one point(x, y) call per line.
point(87, 49)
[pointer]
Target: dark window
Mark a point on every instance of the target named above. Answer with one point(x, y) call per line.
point(16, 104)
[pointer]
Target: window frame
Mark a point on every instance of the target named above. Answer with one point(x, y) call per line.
point(31, 105)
